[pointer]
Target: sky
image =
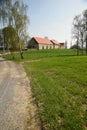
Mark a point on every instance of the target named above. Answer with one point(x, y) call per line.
point(53, 18)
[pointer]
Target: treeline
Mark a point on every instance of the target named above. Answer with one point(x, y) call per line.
point(13, 20)
point(79, 32)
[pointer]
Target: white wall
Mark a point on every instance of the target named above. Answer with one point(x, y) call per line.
point(45, 46)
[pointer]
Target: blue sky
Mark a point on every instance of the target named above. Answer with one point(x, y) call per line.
point(53, 18)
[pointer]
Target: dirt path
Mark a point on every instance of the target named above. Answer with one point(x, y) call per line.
point(17, 111)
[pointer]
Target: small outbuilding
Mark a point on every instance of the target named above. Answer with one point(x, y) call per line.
point(55, 44)
point(61, 45)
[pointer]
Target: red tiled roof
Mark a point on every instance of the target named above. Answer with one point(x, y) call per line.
point(42, 40)
point(54, 42)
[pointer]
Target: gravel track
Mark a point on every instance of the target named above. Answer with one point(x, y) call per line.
point(17, 111)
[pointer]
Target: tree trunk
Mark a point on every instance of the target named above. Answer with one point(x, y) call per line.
point(21, 54)
point(82, 47)
point(77, 48)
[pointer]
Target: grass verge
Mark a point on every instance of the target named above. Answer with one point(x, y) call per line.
point(59, 85)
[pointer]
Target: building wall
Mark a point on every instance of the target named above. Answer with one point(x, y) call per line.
point(56, 46)
point(62, 46)
point(33, 44)
point(45, 46)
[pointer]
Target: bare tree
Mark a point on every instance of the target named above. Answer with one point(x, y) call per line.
point(76, 31)
point(85, 27)
point(80, 30)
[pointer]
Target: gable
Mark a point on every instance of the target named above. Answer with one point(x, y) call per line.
point(55, 42)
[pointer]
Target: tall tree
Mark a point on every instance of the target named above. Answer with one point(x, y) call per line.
point(15, 15)
point(3, 16)
point(76, 31)
point(20, 21)
point(66, 44)
point(85, 27)
point(80, 30)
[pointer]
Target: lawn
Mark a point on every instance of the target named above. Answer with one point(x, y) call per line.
point(59, 85)
point(39, 54)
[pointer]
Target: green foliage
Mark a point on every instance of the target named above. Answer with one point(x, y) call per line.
point(14, 14)
point(59, 85)
point(41, 54)
point(75, 47)
point(10, 38)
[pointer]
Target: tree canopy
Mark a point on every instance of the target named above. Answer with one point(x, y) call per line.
point(10, 38)
point(14, 20)
point(79, 31)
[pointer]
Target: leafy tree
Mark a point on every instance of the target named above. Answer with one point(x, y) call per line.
point(15, 15)
point(10, 38)
point(75, 46)
point(20, 21)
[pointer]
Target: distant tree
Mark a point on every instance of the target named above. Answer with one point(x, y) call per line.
point(46, 37)
point(85, 27)
point(79, 31)
point(82, 38)
point(76, 31)
point(75, 46)
point(1, 38)
point(66, 44)
point(28, 40)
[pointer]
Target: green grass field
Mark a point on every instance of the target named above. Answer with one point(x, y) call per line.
point(39, 54)
point(59, 85)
